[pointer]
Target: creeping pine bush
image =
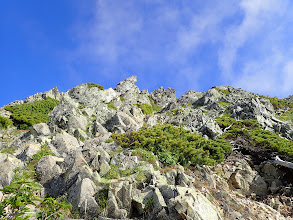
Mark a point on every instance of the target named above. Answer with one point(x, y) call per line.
point(28, 114)
point(251, 131)
point(175, 145)
point(5, 122)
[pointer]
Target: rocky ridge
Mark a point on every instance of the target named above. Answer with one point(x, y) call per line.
point(81, 170)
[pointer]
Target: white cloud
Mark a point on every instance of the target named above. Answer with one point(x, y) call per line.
point(287, 86)
point(273, 76)
point(110, 30)
point(260, 17)
point(256, 53)
point(140, 35)
point(246, 44)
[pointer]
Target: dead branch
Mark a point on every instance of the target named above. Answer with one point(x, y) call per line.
point(283, 163)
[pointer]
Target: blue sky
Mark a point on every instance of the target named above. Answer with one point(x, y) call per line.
point(180, 44)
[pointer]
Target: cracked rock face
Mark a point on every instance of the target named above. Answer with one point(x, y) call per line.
point(162, 96)
point(104, 181)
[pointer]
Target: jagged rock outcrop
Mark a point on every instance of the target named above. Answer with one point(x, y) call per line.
point(53, 93)
point(190, 97)
point(101, 180)
point(163, 97)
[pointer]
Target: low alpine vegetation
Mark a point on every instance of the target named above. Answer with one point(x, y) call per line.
point(28, 114)
point(286, 116)
point(5, 122)
point(145, 108)
point(279, 103)
point(24, 190)
point(91, 85)
point(255, 135)
point(224, 104)
point(223, 91)
point(155, 107)
point(175, 145)
point(111, 105)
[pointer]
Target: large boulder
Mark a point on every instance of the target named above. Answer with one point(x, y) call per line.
point(47, 168)
point(41, 129)
point(248, 181)
point(29, 151)
point(263, 111)
point(67, 117)
point(64, 143)
point(209, 99)
point(7, 165)
point(113, 208)
point(84, 94)
point(192, 205)
point(82, 198)
point(122, 122)
point(107, 95)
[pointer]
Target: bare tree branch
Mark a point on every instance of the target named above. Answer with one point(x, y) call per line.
point(283, 163)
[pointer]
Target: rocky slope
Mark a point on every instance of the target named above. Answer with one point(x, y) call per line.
point(101, 180)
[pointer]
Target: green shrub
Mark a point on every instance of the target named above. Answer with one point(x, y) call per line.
point(175, 144)
point(113, 173)
point(175, 112)
point(140, 176)
point(8, 150)
point(223, 91)
point(111, 105)
point(22, 193)
point(5, 122)
point(51, 208)
point(28, 114)
point(167, 158)
point(81, 106)
point(91, 85)
point(148, 208)
point(155, 107)
point(102, 198)
point(145, 155)
point(121, 98)
point(145, 108)
point(224, 104)
point(110, 140)
point(255, 135)
point(116, 173)
point(45, 151)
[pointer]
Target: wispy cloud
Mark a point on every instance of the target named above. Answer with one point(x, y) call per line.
point(266, 77)
point(256, 53)
point(184, 43)
point(155, 36)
